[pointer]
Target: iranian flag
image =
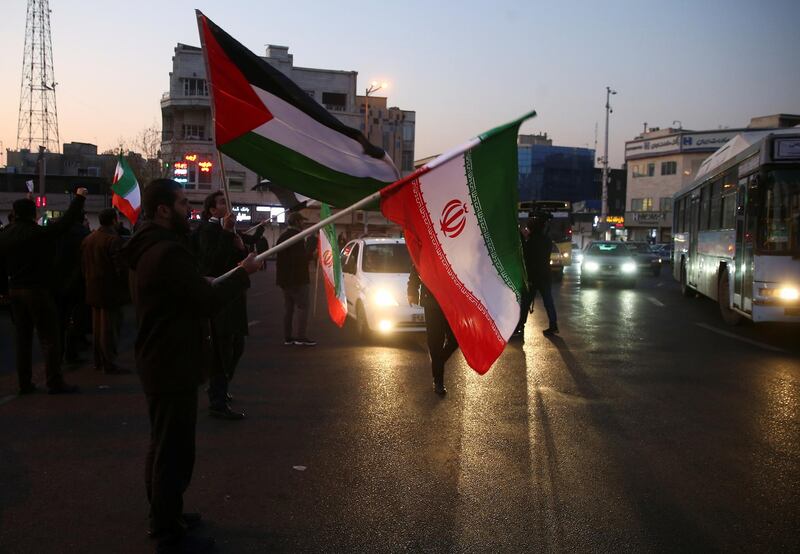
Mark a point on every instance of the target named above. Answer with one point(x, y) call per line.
point(126, 198)
point(331, 265)
point(264, 121)
point(459, 216)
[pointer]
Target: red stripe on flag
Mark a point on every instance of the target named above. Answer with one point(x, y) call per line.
point(125, 207)
point(335, 308)
point(237, 108)
point(477, 335)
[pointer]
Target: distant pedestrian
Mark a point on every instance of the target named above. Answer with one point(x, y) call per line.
point(292, 278)
point(342, 241)
point(106, 290)
point(262, 245)
point(536, 252)
point(28, 250)
point(173, 301)
point(441, 340)
point(218, 249)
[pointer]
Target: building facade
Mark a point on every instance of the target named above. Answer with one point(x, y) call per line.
point(188, 143)
point(660, 162)
point(548, 172)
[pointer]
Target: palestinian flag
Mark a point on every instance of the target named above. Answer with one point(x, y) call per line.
point(331, 265)
point(264, 121)
point(459, 215)
point(126, 198)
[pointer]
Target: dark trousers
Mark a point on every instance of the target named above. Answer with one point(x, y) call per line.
point(74, 323)
point(106, 323)
point(170, 460)
point(441, 341)
point(295, 298)
point(547, 299)
point(36, 309)
point(228, 349)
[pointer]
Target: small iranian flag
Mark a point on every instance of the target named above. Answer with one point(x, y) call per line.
point(267, 123)
point(332, 269)
point(459, 215)
point(127, 197)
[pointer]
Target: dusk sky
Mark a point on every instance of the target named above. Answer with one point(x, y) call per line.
point(464, 67)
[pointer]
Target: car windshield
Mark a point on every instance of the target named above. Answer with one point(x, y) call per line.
point(779, 224)
point(386, 258)
point(608, 249)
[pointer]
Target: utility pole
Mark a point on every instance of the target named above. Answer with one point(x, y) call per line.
point(604, 203)
point(38, 119)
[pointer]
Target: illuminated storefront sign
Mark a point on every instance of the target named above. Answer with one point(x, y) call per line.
point(205, 167)
point(243, 213)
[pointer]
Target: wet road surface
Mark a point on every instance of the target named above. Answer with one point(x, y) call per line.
point(646, 426)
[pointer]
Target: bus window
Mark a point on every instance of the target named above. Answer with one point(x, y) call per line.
point(729, 210)
point(716, 205)
point(705, 204)
point(779, 221)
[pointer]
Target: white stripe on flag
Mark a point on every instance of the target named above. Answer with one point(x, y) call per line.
point(297, 131)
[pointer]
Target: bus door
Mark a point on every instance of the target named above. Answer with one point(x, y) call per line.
point(692, 262)
point(745, 231)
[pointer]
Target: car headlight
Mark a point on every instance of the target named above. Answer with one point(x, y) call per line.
point(384, 297)
point(591, 266)
point(781, 293)
point(565, 255)
point(628, 267)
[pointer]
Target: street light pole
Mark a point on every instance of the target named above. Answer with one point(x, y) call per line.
point(374, 86)
point(604, 202)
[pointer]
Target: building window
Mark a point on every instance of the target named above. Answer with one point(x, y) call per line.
point(665, 204)
point(334, 101)
point(669, 168)
point(195, 87)
point(651, 169)
point(236, 181)
point(194, 132)
point(407, 161)
point(641, 204)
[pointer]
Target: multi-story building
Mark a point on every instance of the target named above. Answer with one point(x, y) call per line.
point(188, 141)
point(662, 161)
point(548, 172)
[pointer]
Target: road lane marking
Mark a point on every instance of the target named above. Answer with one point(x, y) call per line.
point(254, 322)
point(656, 301)
point(7, 399)
point(743, 339)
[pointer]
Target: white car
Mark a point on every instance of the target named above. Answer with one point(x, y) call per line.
point(375, 283)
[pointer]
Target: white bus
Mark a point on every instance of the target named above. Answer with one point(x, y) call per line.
point(737, 228)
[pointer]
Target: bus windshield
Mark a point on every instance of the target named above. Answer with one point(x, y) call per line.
point(779, 222)
point(559, 229)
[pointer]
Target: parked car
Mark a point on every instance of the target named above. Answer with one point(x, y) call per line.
point(608, 261)
point(375, 279)
point(664, 251)
point(646, 259)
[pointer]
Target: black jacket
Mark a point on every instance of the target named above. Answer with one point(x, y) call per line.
point(29, 249)
point(173, 303)
point(217, 253)
point(537, 250)
point(417, 291)
point(292, 264)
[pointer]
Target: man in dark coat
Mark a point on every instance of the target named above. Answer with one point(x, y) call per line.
point(29, 251)
point(106, 289)
point(537, 250)
point(173, 302)
point(292, 277)
point(441, 340)
point(218, 249)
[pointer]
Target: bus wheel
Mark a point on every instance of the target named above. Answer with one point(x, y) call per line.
point(729, 316)
point(686, 290)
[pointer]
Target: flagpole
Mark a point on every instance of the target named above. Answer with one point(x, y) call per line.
point(224, 177)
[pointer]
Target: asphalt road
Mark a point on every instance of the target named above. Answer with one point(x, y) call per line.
point(647, 426)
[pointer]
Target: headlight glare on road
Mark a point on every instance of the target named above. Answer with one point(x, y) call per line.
point(628, 267)
point(591, 266)
point(384, 297)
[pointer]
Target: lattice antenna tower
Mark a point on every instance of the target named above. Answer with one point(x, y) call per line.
point(38, 119)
